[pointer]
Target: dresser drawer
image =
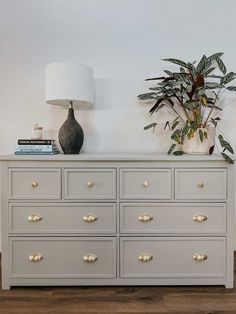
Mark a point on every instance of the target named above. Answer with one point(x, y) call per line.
point(63, 257)
point(145, 183)
point(62, 218)
point(172, 257)
point(172, 218)
point(90, 184)
point(201, 184)
point(34, 183)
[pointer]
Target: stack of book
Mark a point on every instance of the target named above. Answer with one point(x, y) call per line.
point(36, 147)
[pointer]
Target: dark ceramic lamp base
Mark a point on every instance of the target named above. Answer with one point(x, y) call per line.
point(71, 135)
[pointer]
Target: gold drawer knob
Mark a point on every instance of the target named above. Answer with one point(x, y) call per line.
point(89, 218)
point(200, 184)
point(145, 217)
point(90, 184)
point(145, 184)
point(145, 257)
point(34, 184)
point(90, 258)
point(35, 257)
point(34, 218)
point(199, 218)
point(199, 257)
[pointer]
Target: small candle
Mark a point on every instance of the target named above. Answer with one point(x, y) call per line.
point(37, 132)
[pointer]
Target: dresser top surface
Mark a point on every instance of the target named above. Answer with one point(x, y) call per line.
point(112, 157)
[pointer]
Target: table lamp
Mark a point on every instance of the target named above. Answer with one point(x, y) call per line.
point(67, 85)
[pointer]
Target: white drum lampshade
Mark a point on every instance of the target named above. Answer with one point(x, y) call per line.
point(69, 84)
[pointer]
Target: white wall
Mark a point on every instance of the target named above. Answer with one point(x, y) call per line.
point(123, 40)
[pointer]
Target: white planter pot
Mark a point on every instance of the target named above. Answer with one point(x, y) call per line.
point(195, 146)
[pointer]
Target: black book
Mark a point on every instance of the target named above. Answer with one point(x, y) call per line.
point(35, 142)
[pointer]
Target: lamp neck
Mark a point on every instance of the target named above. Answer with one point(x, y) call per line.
point(71, 104)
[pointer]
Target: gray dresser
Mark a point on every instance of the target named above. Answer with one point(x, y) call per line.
point(121, 219)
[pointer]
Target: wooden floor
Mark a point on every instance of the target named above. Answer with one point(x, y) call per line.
point(125, 300)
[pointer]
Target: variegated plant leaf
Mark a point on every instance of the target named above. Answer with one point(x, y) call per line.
point(171, 149)
point(221, 65)
point(178, 153)
point(227, 158)
point(177, 61)
point(200, 135)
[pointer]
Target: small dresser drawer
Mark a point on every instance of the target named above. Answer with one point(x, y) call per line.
point(145, 183)
point(63, 257)
point(34, 183)
point(62, 218)
point(173, 218)
point(201, 184)
point(90, 184)
point(172, 257)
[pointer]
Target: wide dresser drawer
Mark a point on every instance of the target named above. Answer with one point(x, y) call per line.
point(172, 257)
point(201, 184)
point(145, 183)
point(90, 184)
point(34, 183)
point(63, 257)
point(62, 218)
point(168, 218)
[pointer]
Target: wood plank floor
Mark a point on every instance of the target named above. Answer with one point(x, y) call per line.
point(124, 300)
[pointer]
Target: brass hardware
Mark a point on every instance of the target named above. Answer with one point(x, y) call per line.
point(145, 257)
point(34, 218)
point(199, 218)
point(200, 184)
point(34, 184)
point(35, 257)
point(89, 218)
point(90, 184)
point(145, 184)
point(145, 217)
point(199, 257)
point(90, 258)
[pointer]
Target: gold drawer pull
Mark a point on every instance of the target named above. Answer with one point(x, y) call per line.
point(34, 184)
point(145, 257)
point(34, 218)
point(199, 257)
point(145, 184)
point(35, 257)
point(90, 184)
point(199, 218)
point(145, 217)
point(89, 218)
point(90, 258)
point(200, 184)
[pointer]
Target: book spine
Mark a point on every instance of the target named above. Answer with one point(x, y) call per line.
point(36, 147)
point(37, 153)
point(36, 142)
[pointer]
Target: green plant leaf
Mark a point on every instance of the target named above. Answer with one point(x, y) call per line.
point(226, 145)
point(178, 153)
point(214, 56)
point(152, 125)
point(167, 124)
point(228, 78)
point(200, 64)
point(200, 135)
point(177, 61)
point(171, 149)
point(227, 158)
point(213, 121)
point(213, 85)
point(231, 88)
point(215, 76)
point(221, 65)
point(147, 96)
point(174, 125)
point(208, 71)
point(185, 129)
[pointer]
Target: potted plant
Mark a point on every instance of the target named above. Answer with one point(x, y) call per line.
point(193, 94)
